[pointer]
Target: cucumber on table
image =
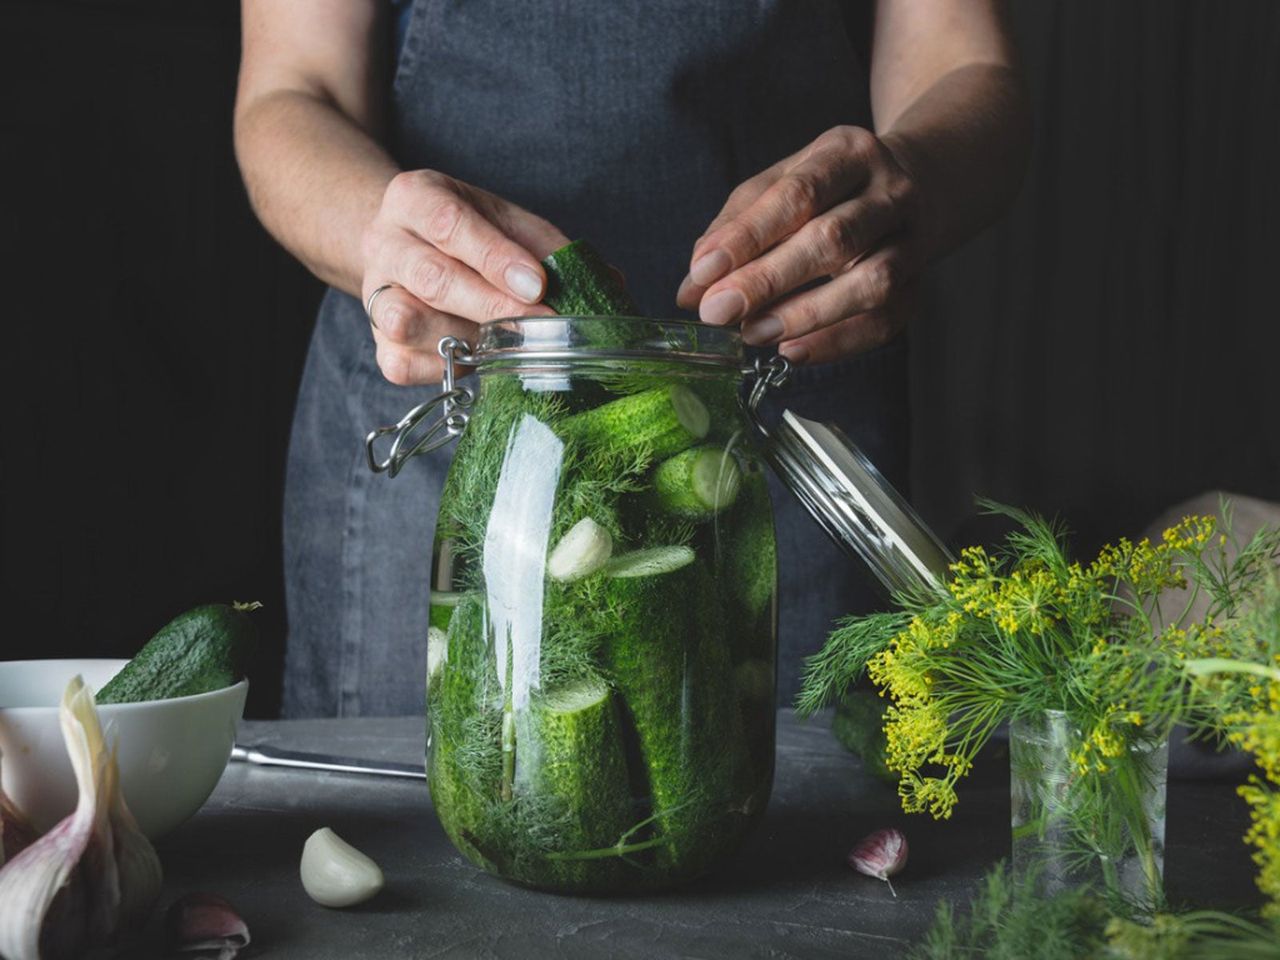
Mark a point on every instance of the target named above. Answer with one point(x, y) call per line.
point(198, 651)
point(698, 483)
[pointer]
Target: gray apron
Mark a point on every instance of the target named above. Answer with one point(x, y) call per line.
point(626, 123)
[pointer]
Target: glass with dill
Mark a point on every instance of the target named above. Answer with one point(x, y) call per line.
point(1073, 826)
point(602, 630)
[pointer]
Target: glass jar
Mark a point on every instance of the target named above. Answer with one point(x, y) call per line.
point(1104, 829)
point(601, 646)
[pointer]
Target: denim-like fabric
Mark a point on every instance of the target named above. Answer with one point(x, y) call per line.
point(627, 123)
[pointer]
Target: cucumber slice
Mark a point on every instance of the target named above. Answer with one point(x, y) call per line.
point(581, 552)
point(650, 562)
point(697, 484)
point(664, 420)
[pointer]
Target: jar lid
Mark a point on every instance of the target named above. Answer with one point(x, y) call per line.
point(857, 507)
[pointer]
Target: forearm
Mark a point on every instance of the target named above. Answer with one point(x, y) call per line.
point(315, 179)
point(965, 141)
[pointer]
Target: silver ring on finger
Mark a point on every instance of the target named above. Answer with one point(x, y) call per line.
point(368, 304)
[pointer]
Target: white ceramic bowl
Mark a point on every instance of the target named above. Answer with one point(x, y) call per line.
point(171, 753)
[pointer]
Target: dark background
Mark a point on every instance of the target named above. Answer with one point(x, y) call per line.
point(1107, 350)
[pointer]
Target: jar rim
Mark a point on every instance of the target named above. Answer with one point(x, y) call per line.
point(559, 339)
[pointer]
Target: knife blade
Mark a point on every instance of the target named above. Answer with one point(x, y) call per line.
point(266, 756)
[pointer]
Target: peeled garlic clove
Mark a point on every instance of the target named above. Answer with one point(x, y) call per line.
point(205, 925)
point(62, 892)
point(336, 874)
point(882, 855)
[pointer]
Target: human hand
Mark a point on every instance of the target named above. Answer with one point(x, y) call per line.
point(453, 256)
point(842, 208)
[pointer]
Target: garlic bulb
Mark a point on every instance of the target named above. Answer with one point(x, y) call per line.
point(336, 874)
point(206, 926)
point(73, 887)
point(882, 855)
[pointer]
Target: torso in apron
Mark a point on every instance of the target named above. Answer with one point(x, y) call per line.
point(626, 123)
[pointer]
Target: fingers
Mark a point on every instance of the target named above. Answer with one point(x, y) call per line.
point(447, 284)
point(855, 334)
point(868, 286)
point(837, 164)
point(745, 194)
point(845, 338)
point(820, 248)
point(444, 213)
point(407, 333)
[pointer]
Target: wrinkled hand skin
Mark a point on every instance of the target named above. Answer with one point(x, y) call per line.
point(843, 210)
point(457, 256)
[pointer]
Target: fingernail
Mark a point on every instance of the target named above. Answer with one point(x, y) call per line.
point(795, 352)
point(685, 286)
point(762, 331)
point(523, 282)
point(710, 267)
point(723, 307)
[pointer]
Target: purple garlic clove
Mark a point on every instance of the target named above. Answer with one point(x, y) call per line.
point(205, 926)
point(882, 855)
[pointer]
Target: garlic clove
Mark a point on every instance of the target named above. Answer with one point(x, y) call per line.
point(336, 874)
point(882, 855)
point(62, 891)
point(16, 831)
point(137, 863)
point(206, 926)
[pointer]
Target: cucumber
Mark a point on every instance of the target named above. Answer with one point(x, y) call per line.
point(571, 764)
point(198, 651)
point(668, 659)
point(750, 557)
point(464, 718)
point(698, 483)
point(581, 284)
point(664, 420)
point(581, 552)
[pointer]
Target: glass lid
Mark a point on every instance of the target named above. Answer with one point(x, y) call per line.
point(857, 507)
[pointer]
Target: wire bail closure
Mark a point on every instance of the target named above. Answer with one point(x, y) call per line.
point(453, 422)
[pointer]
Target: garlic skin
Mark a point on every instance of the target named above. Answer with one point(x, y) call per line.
point(882, 855)
point(336, 874)
point(94, 874)
point(205, 926)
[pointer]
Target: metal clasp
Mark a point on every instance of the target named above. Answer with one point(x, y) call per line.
point(456, 400)
point(769, 374)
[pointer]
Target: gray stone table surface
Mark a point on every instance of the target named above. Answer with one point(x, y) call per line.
point(788, 893)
